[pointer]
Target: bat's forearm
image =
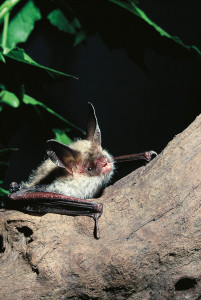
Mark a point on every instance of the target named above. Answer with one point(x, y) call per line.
point(42, 203)
point(56, 200)
point(83, 159)
point(144, 155)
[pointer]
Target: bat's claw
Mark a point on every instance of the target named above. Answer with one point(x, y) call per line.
point(96, 217)
point(14, 187)
point(148, 155)
point(153, 153)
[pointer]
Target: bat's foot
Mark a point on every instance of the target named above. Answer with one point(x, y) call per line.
point(30, 201)
point(148, 155)
point(96, 228)
point(14, 187)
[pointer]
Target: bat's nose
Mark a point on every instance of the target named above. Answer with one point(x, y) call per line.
point(107, 168)
point(105, 165)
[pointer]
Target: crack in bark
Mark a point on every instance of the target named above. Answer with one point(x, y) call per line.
point(152, 220)
point(160, 216)
point(146, 267)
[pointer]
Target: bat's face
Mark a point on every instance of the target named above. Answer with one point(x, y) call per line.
point(84, 160)
point(89, 168)
point(93, 160)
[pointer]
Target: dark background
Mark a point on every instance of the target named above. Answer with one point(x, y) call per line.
point(145, 91)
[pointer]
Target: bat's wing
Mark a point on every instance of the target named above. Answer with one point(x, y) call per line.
point(144, 156)
point(44, 202)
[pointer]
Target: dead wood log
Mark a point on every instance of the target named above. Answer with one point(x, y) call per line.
point(150, 245)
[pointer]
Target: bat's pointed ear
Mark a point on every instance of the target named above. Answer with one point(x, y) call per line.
point(93, 130)
point(62, 155)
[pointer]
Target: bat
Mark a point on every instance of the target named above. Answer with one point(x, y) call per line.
point(70, 175)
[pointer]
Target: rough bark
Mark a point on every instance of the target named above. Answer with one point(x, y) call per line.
point(150, 245)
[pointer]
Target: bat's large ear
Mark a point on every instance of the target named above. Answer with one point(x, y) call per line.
point(62, 155)
point(93, 130)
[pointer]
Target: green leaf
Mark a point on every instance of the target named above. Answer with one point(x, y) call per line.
point(4, 160)
point(5, 153)
point(20, 56)
point(61, 136)
point(2, 88)
point(80, 36)
point(29, 100)
point(76, 23)
point(21, 72)
point(10, 99)
point(2, 58)
point(3, 192)
point(58, 19)
point(22, 24)
point(6, 7)
point(132, 7)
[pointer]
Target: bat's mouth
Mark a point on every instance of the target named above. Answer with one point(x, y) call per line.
point(107, 167)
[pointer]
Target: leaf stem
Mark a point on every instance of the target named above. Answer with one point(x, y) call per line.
point(6, 7)
point(5, 29)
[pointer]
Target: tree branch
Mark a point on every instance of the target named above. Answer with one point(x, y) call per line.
point(150, 237)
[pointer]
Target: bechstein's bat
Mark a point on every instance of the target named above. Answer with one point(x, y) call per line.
point(70, 175)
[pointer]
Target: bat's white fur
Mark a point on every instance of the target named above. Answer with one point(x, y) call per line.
point(79, 185)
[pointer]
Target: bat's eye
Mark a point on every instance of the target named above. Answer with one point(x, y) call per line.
point(89, 168)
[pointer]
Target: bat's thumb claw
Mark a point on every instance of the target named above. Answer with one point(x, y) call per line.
point(153, 153)
point(14, 187)
point(149, 154)
point(96, 217)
